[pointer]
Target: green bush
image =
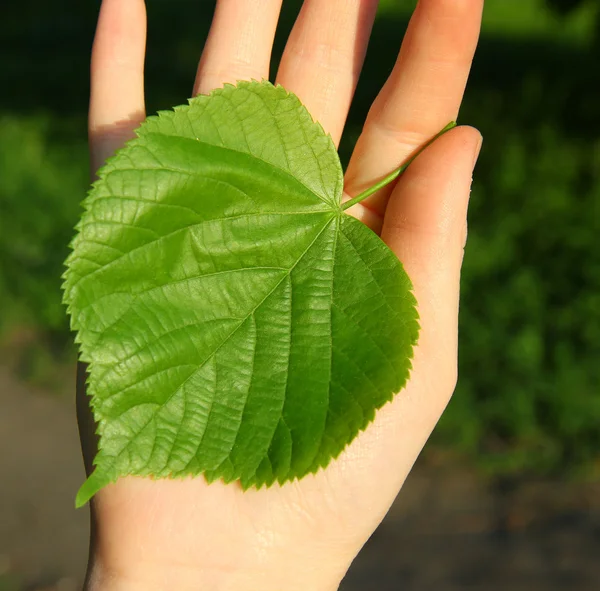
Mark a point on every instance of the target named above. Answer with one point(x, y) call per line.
point(42, 181)
point(528, 395)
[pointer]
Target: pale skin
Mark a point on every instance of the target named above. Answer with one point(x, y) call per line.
point(188, 535)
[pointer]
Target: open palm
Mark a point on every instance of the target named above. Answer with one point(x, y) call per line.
point(303, 535)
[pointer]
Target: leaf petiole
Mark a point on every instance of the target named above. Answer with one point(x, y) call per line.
point(394, 175)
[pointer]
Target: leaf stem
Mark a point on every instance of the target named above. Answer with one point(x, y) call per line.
point(394, 175)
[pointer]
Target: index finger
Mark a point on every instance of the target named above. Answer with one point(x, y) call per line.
point(422, 94)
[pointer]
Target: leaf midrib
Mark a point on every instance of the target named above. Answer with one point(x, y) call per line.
point(226, 339)
point(174, 233)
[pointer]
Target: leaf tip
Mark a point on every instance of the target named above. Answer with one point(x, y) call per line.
point(90, 487)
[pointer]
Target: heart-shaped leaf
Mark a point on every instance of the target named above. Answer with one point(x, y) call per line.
point(236, 321)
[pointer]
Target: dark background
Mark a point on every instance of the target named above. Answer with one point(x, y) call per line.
point(506, 493)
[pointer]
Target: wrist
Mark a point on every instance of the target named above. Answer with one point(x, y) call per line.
point(196, 538)
point(174, 578)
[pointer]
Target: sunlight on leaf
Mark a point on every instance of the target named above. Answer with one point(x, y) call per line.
point(237, 323)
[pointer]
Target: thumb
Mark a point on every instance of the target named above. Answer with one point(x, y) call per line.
point(425, 226)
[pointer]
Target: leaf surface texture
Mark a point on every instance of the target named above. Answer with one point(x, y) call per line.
point(237, 323)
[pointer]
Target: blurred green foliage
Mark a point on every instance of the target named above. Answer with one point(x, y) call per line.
point(528, 395)
point(41, 179)
point(529, 388)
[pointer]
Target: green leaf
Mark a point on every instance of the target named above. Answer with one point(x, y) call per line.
point(236, 321)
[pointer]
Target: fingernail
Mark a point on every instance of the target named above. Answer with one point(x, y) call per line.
point(477, 150)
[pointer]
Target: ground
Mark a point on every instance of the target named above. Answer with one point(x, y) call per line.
point(450, 528)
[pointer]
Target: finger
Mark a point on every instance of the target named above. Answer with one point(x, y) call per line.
point(117, 76)
point(421, 96)
point(324, 55)
point(425, 226)
point(239, 43)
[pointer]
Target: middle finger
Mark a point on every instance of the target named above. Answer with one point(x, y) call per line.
point(324, 55)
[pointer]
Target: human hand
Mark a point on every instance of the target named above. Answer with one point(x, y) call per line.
point(186, 534)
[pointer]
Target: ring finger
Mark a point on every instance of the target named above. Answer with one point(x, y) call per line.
point(239, 43)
